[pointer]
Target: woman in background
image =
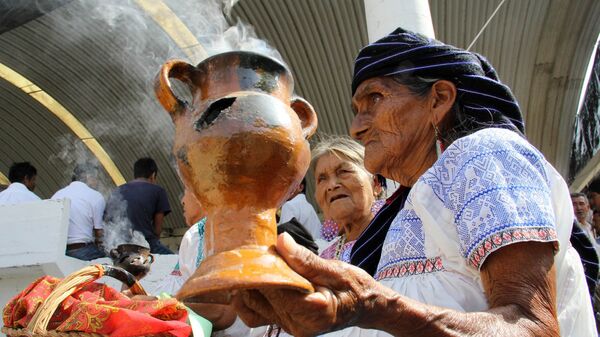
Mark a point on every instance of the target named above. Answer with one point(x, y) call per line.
point(345, 191)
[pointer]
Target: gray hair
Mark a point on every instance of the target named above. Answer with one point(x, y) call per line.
point(579, 195)
point(343, 147)
point(82, 172)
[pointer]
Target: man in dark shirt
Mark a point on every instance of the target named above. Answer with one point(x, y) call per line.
point(146, 203)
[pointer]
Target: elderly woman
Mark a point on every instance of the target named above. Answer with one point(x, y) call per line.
point(475, 242)
point(345, 191)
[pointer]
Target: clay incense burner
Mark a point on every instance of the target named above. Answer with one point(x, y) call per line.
point(133, 258)
point(241, 145)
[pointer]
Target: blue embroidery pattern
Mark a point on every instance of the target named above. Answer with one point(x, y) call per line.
point(495, 184)
point(405, 239)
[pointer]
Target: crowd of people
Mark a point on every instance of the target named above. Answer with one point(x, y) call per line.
point(585, 238)
point(480, 238)
point(139, 205)
point(476, 239)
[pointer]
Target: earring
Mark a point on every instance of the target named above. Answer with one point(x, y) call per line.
point(439, 146)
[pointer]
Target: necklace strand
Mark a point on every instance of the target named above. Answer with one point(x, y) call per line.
point(340, 245)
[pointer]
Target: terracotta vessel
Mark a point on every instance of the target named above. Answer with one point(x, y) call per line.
point(133, 258)
point(241, 146)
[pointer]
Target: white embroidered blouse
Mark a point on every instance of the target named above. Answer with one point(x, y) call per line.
point(486, 191)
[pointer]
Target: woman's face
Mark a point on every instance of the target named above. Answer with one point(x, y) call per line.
point(344, 190)
point(192, 210)
point(395, 126)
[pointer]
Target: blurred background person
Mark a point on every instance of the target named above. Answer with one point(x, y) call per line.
point(22, 177)
point(145, 202)
point(84, 239)
point(298, 207)
point(345, 191)
point(596, 224)
point(582, 239)
point(191, 249)
point(593, 194)
point(581, 207)
point(191, 254)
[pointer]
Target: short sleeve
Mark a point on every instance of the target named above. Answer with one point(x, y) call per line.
point(162, 202)
point(494, 183)
point(98, 211)
point(288, 211)
point(187, 253)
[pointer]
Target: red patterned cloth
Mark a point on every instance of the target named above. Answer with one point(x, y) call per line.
point(98, 308)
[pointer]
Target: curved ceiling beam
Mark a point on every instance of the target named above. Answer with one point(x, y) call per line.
point(175, 28)
point(66, 117)
point(3, 179)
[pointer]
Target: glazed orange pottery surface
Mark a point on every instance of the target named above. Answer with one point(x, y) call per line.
point(241, 147)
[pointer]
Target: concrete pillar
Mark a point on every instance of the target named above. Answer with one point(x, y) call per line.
point(383, 16)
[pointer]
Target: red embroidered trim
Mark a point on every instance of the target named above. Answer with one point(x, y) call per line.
point(503, 238)
point(409, 268)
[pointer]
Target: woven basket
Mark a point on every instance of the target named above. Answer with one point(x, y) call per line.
point(67, 286)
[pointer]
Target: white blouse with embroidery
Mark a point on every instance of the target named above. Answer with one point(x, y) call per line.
point(487, 190)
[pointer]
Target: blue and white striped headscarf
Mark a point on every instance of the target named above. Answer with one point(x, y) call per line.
point(482, 98)
point(480, 93)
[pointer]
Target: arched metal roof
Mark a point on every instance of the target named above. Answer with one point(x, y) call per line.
point(100, 69)
point(98, 59)
point(539, 48)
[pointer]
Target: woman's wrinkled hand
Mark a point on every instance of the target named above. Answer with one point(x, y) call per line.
point(343, 293)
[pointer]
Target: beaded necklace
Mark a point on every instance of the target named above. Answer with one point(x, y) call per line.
point(340, 245)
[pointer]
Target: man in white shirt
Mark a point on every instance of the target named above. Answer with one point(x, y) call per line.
point(84, 240)
point(22, 177)
point(581, 207)
point(298, 207)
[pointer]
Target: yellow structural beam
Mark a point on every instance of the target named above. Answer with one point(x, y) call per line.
point(3, 179)
point(66, 117)
point(169, 22)
point(175, 28)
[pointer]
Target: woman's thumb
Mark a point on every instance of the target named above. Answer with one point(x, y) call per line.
point(300, 259)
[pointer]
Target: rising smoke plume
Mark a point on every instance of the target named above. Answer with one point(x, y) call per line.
point(132, 48)
point(118, 229)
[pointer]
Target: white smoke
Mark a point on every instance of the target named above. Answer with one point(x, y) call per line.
point(106, 26)
point(127, 26)
point(118, 229)
point(242, 37)
point(228, 6)
point(74, 152)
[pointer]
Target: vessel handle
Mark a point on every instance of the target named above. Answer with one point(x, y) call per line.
point(180, 70)
point(307, 115)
